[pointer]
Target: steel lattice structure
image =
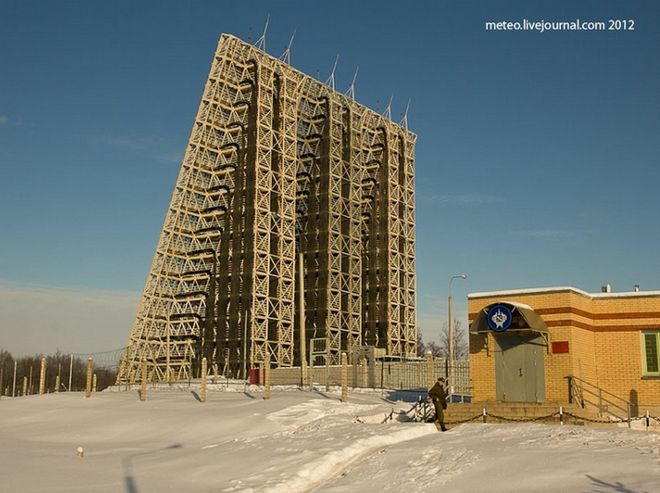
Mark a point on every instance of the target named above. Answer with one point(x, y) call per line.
point(279, 163)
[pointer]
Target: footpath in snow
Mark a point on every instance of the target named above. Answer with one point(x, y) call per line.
point(299, 441)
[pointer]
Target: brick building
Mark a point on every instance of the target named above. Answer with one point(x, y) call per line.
point(527, 345)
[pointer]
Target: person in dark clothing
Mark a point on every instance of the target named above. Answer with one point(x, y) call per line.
point(439, 396)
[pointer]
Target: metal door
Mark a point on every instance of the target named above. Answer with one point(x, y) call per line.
point(519, 373)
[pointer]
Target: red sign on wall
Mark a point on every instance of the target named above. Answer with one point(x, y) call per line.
point(559, 347)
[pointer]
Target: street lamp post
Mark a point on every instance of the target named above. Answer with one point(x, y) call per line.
point(450, 327)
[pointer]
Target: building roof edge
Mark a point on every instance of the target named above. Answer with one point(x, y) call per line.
point(560, 289)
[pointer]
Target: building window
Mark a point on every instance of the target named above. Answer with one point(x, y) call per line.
point(651, 352)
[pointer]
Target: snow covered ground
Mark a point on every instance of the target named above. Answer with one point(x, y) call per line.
point(299, 441)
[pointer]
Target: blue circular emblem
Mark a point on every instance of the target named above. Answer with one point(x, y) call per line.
point(499, 318)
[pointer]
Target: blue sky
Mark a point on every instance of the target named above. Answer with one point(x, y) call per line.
point(537, 153)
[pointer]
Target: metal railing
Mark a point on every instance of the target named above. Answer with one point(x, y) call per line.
point(585, 393)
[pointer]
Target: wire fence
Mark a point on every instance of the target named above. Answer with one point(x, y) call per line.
point(107, 360)
point(59, 372)
point(399, 374)
point(67, 372)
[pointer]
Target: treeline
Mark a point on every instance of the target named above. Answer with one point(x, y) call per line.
point(28, 369)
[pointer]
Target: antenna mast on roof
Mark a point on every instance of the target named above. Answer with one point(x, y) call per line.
point(331, 79)
point(388, 110)
point(404, 120)
point(351, 89)
point(261, 42)
point(286, 56)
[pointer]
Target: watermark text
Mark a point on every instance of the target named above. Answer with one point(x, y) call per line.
point(576, 25)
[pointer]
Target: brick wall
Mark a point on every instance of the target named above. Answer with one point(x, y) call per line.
point(603, 334)
point(482, 367)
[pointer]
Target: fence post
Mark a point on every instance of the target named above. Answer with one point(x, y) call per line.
point(70, 371)
point(344, 377)
point(484, 414)
point(310, 373)
point(58, 378)
point(25, 386)
point(94, 383)
point(2, 381)
point(42, 377)
point(202, 389)
point(647, 420)
point(13, 387)
point(629, 415)
point(267, 378)
point(143, 381)
point(561, 415)
point(430, 377)
point(90, 369)
point(327, 367)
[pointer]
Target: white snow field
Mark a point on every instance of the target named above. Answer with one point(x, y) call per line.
point(299, 441)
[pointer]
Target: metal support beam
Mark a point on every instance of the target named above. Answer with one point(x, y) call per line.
point(279, 164)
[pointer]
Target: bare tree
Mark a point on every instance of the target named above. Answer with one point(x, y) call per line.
point(460, 341)
point(7, 366)
point(423, 348)
point(435, 349)
point(58, 363)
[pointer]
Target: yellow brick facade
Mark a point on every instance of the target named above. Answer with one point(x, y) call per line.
point(603, 331)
